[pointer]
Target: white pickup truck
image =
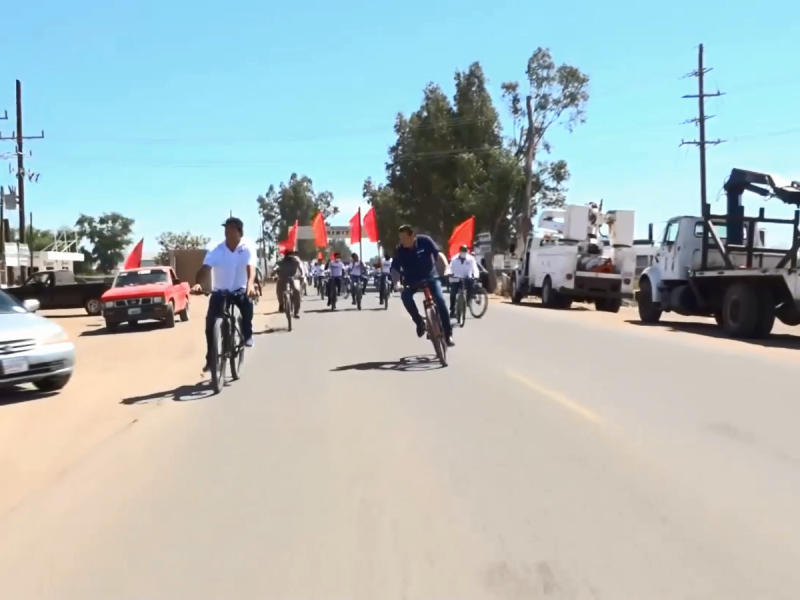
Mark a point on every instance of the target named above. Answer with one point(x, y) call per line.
point(573, 262)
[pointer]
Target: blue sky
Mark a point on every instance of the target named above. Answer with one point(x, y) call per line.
point(176, 112)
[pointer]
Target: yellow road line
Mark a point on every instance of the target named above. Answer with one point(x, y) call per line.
point(558, 398)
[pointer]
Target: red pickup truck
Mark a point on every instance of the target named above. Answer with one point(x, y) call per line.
point(145, 294)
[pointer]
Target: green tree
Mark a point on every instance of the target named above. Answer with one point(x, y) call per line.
point(557, 96)
point(169, 240)
point(451, 161)
point(293, 201)
point(109, 235)
point(341, 247)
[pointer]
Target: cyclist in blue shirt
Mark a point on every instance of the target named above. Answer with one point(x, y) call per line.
point(419, 260)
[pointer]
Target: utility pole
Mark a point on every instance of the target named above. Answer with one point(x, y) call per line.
point(19, 138)
point(531, 139)
point(700, 121)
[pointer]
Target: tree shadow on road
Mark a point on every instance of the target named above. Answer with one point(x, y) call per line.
point(18, 394)
point(427, 362)
point(712, 330)
point(57, 316)
point(328, 309)
point(269, 330)
point(540, 305)
point(184, 393)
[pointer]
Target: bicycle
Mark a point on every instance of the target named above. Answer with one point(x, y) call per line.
point(357, 293)
point(433, 322)
point(386, 291)
point(333, 292)
point(228, 342)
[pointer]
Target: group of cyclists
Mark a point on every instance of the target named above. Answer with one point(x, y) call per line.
point(417, 261)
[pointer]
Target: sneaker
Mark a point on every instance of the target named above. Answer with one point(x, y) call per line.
point(449, 341)
point(420, 330)
point(249, 342)
point(297, 315)
point(206, 368)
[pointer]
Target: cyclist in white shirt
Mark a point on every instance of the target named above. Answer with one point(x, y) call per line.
point(358, 272)
point(465, 267)
point(385, 275)
point(232, 266)
point(336, 269)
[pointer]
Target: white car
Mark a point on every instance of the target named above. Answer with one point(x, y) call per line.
point(32, 349)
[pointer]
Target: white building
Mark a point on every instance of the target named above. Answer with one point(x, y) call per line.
point(61, 255)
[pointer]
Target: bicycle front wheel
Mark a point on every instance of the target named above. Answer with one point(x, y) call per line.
point(287, 308)
point(479, 303)
point(436, 333)
point(236, 347)
point(461, 310)
point(216, 360)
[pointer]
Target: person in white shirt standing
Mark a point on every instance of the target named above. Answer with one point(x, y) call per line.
point(465, 267)
point(232, 266)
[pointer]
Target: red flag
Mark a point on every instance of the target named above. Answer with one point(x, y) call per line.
point(320, 233)
point(370, 225)
point(291, 237)
point(463, 234)
point(134, 260)
point(355, 228)
point(282, 247)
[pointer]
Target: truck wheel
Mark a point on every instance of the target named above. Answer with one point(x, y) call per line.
point(92, 306)
point(184, 314)
point(111, 325)
point(649, 311)
point(52, 384)
point(788, 314)
point(740, 306)
point(549, 298)
point(169, 320)
point(611, 305)
point(766, 314)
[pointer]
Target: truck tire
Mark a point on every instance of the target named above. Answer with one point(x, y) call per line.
point(52, 384)
point(184, 314)
point(169, 320)
point(611, 305)
point(788, 314)
point(740, 311)
point(649, 312)
point(111, 325)
point(549, 295)
point(92, 306)
point(766, 314)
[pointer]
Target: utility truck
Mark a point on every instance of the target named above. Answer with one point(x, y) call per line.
point(569, 259)
point(719, 266)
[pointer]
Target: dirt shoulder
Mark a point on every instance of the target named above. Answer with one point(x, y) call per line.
point(119, 378)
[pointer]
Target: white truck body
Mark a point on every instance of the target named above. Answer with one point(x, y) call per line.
point(557, 263)
point(744, 300)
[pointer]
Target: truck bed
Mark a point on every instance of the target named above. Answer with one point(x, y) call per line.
point(767, 260)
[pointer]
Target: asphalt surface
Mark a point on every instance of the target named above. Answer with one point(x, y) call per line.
point(560, 455)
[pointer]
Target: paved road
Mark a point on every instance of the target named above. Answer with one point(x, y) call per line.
point(557, 457)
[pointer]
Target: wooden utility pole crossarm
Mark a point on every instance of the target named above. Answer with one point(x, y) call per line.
point(19, 138)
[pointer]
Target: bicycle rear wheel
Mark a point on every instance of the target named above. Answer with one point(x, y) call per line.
point(236, 347)
point(216, 360)
point(436, 333)
point(287, 308)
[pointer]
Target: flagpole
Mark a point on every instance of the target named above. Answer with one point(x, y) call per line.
point(360, 236)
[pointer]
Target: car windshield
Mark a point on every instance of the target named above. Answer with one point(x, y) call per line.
point(10, 305)
point(143, 277)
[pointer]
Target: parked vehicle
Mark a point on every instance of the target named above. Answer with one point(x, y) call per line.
point(718, 265)
point(146, 294)
point(32, 349)
point(572, 261)
point(60, 290)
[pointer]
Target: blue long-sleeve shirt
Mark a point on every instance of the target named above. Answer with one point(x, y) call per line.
point(417, 263)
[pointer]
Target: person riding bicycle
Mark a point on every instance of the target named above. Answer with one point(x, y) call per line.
point(290, 270)
point(419, 260)
point(465, 267)
point(336, 270)
point(357, 273)
point(232, 266)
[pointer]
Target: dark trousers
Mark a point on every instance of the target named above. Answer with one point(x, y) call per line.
point(216, 309)
point(407, 296)
point(456, 287)
point(337, 281)
point(354, 281)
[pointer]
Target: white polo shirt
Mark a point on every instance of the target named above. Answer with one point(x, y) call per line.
point(229, 269)
point(468, 268)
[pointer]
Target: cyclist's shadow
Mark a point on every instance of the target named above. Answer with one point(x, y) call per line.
point(427, 362)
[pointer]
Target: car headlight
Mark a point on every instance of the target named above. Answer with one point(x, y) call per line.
point(56, 337)
point(108, 304)
point(158, 300)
